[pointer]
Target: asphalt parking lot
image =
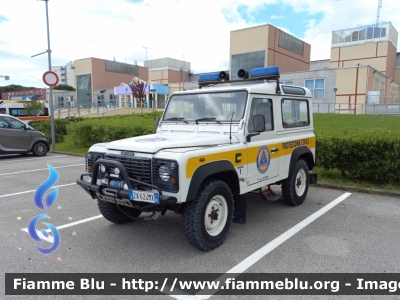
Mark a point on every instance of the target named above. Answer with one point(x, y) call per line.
point(359, 233)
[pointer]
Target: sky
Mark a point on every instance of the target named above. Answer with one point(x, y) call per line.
point(196, 31)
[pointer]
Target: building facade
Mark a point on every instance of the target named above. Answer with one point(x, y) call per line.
point(94, 74)
point(267, 45)
point(66, 74)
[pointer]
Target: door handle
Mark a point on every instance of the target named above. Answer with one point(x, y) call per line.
point(274, 150)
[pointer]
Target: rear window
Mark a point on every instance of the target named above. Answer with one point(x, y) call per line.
point(295, 113)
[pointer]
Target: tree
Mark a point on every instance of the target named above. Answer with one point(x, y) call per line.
point(64, 87)
point(138, 88)
point(33, 108)
point(14, 88)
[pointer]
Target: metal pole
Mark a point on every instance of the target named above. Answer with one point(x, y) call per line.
point(53, 139)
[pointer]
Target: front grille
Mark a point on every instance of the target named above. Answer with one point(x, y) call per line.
point(91, 158)
point(138, 168)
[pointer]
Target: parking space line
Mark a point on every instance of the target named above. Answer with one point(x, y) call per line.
point(25, 159)
point(41, 169)
point(50, 238)
point(260, 253)
point(31, 191)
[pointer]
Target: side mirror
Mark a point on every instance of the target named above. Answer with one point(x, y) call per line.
point(259, 123)
point(259, 126)
point(157, 121)
point(26, 127)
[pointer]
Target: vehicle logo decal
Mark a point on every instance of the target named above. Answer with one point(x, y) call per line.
point(263, 159)
point(151, 140)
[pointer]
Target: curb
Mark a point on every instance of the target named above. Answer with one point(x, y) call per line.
point(357, 189)
point(354, 189)
point(67, 153)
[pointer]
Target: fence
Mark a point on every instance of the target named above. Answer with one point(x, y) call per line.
point(369, 109)
point(75, 110)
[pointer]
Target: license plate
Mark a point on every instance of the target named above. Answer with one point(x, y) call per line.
point(151, 197)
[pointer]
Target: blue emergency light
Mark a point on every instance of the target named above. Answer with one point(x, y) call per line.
point(219, 76)
point(265, 72)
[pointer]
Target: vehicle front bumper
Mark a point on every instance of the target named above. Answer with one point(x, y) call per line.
point(119, 195)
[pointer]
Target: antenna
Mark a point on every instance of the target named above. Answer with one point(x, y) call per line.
point(379, 12)
point(146, 50)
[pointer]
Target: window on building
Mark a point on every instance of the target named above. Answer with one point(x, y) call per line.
point(289, 42)
point(287, 82)
point(317, 87)
point(247, 61)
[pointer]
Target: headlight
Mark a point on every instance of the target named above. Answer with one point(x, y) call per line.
point(117, 171)
point(164, 173)
point(102, 168)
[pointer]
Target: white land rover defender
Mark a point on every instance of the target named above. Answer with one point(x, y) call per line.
point(212, 146)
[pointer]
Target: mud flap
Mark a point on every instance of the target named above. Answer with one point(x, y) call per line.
point(239, 211)
point(313, 178)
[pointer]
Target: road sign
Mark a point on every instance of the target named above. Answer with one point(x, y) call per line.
point(50, 78)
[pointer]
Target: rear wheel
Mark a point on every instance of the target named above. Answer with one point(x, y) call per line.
point(295, 187)
point(208, 218)
point(40, 148)
point(111, 212)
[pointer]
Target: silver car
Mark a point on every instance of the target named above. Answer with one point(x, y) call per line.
point(17, 137)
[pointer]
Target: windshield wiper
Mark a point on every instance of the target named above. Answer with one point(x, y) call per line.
point(176, 119)
point(207, 119)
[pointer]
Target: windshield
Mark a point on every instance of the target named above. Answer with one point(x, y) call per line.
point(206, 107)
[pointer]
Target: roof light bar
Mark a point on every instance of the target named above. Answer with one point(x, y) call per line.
point(219, 76)
point(265, 72)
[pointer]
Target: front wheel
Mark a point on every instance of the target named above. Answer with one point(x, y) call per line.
point(208, 218)
point(40, 148)
point(295, 187)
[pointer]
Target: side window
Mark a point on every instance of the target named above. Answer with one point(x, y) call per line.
point(2, 110)
point(7, 122)
point(295, 113)
point(3, 123)
point(261, 106)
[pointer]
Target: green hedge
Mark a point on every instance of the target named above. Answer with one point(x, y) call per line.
point(60, 126)
point(373, 155)
point(107, 129)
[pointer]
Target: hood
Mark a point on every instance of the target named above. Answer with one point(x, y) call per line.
point(155, 142)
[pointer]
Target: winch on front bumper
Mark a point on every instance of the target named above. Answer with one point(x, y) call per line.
point(117, 187)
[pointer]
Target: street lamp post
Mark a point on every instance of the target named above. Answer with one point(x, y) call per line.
point(334, 104)
point(53, 139)
point(153, 99)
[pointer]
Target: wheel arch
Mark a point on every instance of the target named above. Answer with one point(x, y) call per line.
point(304, 153)
point(223, 170)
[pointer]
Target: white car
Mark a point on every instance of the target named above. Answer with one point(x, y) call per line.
point(212, 146)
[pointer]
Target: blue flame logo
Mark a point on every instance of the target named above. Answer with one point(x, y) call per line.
point(33, 233)
point(38, 201)
point(44, 187)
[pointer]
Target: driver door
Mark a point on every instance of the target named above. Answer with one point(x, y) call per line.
point(262, 152)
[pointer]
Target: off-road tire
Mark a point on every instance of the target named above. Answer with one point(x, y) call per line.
point(295, 187)
point(111, 212)
point(208, 218)
point(40, 148)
